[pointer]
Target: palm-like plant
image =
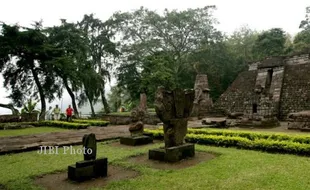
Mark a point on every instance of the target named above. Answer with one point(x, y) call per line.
point(29, 107)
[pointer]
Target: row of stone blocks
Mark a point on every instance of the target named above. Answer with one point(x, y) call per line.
point(88, 169)
point(171, 154)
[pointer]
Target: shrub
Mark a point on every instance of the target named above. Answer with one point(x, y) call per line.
point(63, 124)
point(280, 143)
point(92, 122)
point(252, 135)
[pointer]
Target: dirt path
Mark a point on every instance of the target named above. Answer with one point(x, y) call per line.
point(72, 137)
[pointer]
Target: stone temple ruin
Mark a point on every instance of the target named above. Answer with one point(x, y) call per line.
point(202, 101)
point(270, 89)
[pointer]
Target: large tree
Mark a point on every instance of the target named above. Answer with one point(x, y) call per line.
point(241, 43)
point(302, 39)
point(166, 40)
point(101, 50)
point(25, 59)
point(270, 43)
point(69, 39)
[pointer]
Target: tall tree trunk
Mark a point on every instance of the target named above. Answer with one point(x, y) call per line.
point(41, 93)
point(91, 105)
point(76, 111)
point(11, 107)
point(104, 101)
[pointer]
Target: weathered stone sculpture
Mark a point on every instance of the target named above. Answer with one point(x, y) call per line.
point(90, 146)
point(137, 126)
point(173, 108)
point(202, 102)
point(136, 129)
point(90, 167)
point(143, 101)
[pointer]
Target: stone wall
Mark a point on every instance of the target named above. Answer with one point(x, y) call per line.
point(126, 119)
point(295, 94)
point(18, 118)
point(235, 98)
point(288, 91)
point(297, 59)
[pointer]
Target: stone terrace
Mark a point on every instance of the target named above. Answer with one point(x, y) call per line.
point(23, 143)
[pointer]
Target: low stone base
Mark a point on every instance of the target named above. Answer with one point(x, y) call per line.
point(88, 169)
point(134, 141)
point(173, 154)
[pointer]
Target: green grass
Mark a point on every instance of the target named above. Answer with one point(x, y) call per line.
point(233, 170)
point(29, 131)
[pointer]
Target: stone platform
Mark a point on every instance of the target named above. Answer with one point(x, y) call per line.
point(173, 154)
point(88, 169)
point(135, 141)
point(15, 144)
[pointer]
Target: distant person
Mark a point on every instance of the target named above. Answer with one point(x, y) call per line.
point(56, 112)
point(69, 112)
point(49, 114)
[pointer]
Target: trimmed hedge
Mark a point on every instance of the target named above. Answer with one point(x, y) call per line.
point(280, 143)
point(273, 146)
point(249, 135)
point(63, 124)
point(92, 122)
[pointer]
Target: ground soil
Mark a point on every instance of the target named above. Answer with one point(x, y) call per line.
point(23, 143)
point(198, 158)
point(59, 181)
point(119, 145)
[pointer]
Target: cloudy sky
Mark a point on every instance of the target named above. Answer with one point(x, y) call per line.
point(258, 14)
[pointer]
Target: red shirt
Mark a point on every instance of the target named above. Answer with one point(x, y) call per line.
point(69, 111)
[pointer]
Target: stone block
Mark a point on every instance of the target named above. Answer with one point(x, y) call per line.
point(173, 154)
point(101, 167)
point(88, 169)
point(80, 174)
point(84, 163)
point(134, 141)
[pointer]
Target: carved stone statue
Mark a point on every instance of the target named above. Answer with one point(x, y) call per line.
point(202, 102)
point(136, 127)
point(137, 116)
point(173, 109)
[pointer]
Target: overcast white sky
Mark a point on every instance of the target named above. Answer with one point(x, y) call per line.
point(258, 14)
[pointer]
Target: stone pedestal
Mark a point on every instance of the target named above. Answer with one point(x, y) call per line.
point(134, 141)
point(173, 154)
point(88, 169)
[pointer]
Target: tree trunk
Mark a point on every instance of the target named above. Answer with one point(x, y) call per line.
point(11, 107)
point(91, 106)
point(76, 112)
point(41, 93)
point(105, 102)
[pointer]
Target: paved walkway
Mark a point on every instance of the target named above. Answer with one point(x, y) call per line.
point(23, 143)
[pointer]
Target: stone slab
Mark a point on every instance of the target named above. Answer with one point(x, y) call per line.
point(173, 154)
point(85, 170)
point(80, 174)
point(101, 167)
point(16, 144)
point(135, 141)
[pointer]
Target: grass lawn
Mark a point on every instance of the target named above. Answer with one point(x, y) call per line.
point(29, 131)
point(233, 169)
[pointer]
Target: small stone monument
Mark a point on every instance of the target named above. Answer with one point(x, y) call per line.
point(90, 167)
point(173, 108)
point(136, 128)
point(143, 102)
point(202, 101)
